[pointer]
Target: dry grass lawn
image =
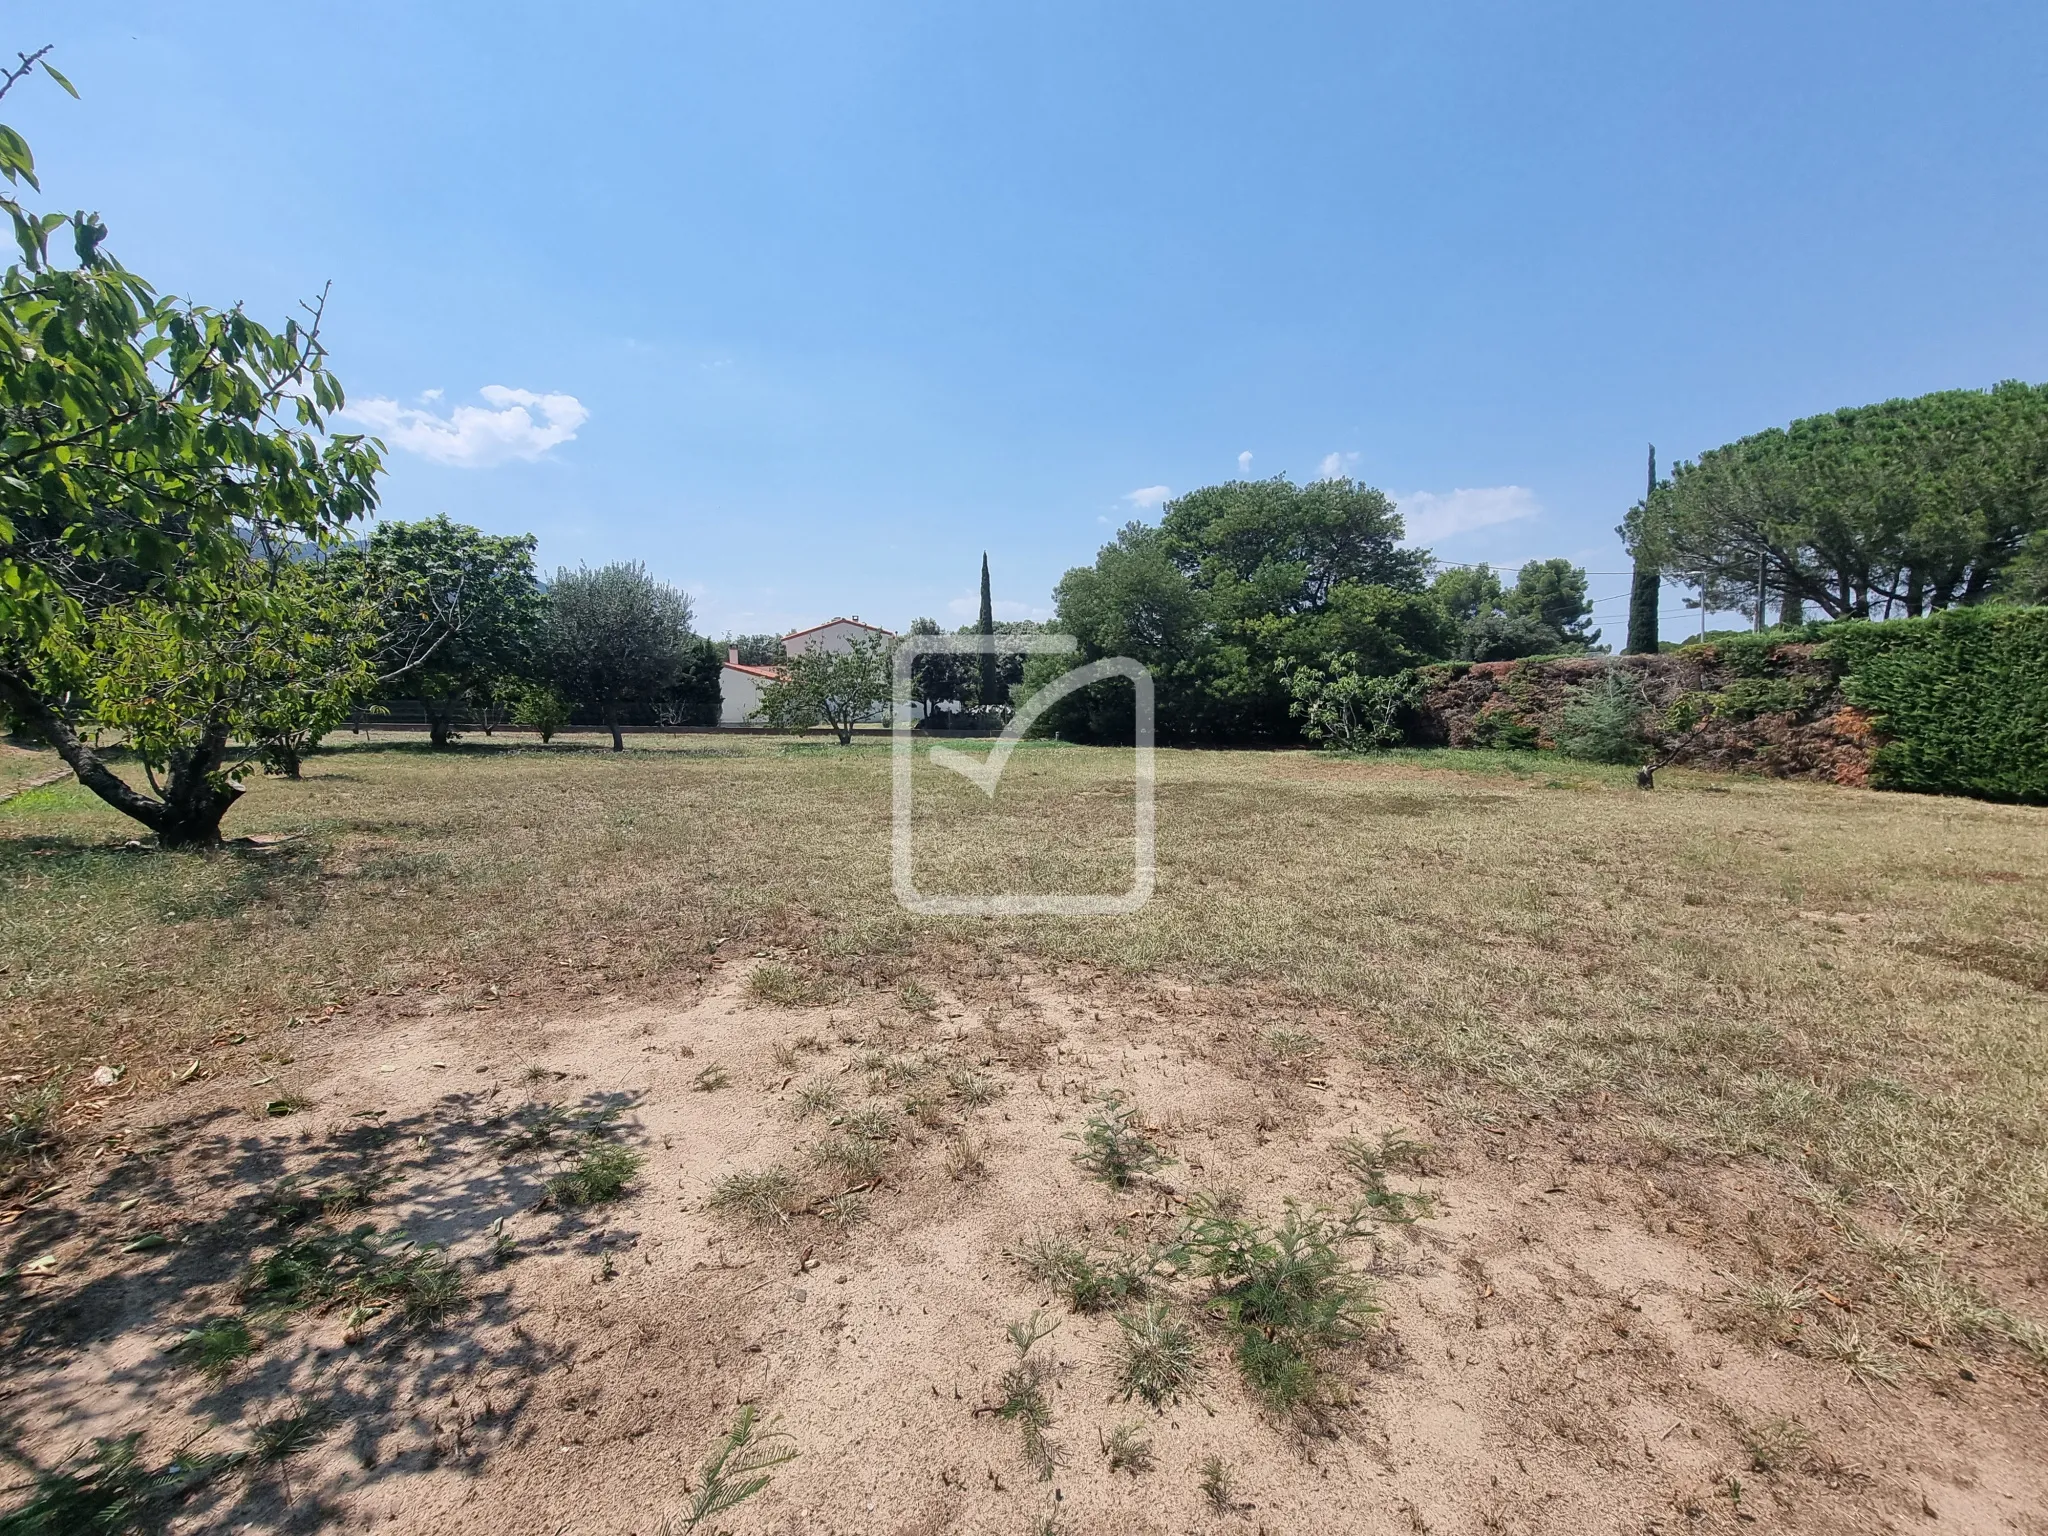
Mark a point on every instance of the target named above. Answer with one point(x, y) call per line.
point(1790, 1037)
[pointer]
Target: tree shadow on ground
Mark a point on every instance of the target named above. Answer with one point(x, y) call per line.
point(172, 1235)
point(172, 886)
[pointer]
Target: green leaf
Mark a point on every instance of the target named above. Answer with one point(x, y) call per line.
point(149, 1242)
point(51, 70)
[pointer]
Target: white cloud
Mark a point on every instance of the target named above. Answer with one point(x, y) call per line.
point(1336, 466)
point(1439, 515)
point(1244, 462)
point(1148, 498)
point(518, 424)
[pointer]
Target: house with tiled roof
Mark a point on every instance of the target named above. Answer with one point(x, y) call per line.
point(740, 684)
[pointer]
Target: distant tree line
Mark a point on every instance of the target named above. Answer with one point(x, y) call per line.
point(500, 644)
point(1243, 587)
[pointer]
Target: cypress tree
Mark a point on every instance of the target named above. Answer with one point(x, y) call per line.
point(1643, 590)
point(992, 690)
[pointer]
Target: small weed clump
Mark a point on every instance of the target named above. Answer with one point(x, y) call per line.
point(541, 1127)
point(1286, 1294)
point(1155, 1355)
point(281, 1437)
point(710, 1079)
point(917, 998)
point(847, 1210)
point(1218, 1480)
point(29, 1125)
point(873, 1123)
point(817, 1097)
point(734, 1472)
point(1086, 1280)
point(368, 1269)
point(785, 986)
point(966, 1158)
point(216, 1346)
point(1113, 1147)
point(974, 1089)
point(1128, 1449)
point(1861, 1359)
point(766, 1194)
point(600, 1175)
point(1775, 1445)
point(1024, 1402)
point(1292, 1046)
point(855, 1159)
point(108, 1491)
point(1370, 1162)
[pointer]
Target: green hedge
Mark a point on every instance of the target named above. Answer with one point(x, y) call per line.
point(1963, 697)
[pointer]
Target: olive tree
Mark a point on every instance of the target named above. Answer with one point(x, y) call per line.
point(614, 636)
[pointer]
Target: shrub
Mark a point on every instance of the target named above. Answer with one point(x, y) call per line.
point(1604, 721)
point(1503, 731)
point(541, 708)
point(1963, 697)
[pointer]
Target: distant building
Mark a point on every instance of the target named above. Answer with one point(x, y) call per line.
point(740, 685)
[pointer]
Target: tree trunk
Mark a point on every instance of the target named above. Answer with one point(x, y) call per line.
point(611, 719)
point(196, 794)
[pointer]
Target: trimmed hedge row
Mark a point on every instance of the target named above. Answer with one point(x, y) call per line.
point(1961, 699)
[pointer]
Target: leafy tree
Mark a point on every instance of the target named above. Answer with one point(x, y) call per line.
point(614, 636)
point(1909, 506)
point(1545, 612)
point(1350, 711)
point(835, 688)
point(147, 445)
point(694, 698)
point(2025, 578)
point(541, 708)
point(1553, 593)
point(1466, 592)
point(756, 650)
point(1272, 546)
point(275, 659)
point(466, 603)
point(936, 677)
point(1239, 587)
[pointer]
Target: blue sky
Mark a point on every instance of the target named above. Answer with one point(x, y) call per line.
point(806, 306)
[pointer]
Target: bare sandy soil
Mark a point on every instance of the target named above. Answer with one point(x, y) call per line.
point(1558, 1352)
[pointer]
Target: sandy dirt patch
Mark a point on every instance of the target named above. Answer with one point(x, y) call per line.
point(1556, 1352)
